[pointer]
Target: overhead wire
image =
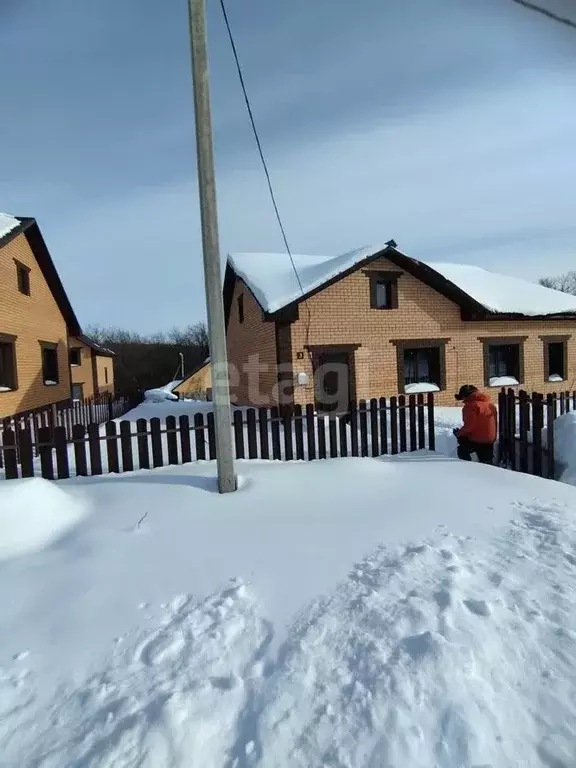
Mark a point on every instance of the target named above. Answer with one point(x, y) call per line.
point(545, 12)
point(263, 160)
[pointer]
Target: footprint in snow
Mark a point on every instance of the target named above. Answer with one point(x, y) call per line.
point(478, 607)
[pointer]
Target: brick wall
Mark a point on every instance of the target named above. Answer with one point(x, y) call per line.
point(32, 319)
point(341, 314)
point(83, 373)
point(251, 352)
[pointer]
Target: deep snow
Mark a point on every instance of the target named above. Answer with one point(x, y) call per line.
point(414, 612)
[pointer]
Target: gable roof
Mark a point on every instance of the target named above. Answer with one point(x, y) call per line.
point(98, 348)
point(272, 280)
point(10, 231)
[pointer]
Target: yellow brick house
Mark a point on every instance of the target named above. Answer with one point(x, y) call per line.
point(37, 323)
point(377, 322)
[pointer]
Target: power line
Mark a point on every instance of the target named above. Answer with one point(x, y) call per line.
point(259, 145)
point(546, 12)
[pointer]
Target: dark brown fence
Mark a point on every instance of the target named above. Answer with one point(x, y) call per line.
point(65, 414)
point(373, 428)
point(526, 429)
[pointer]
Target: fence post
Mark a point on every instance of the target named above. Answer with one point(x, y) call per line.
point(524, 405)
point(238, 433)
point(26, 451)
point(537, 425)
point(402, 423)
point(10, 459)
point(383, 425)
point(431, 422)
point(550, 419)
point(511, 426)
point(310, 431)
point(412, 422)
point(185, 446)
point(45, 436)
point(393, 426)
point(374, 433)
point(110, 408)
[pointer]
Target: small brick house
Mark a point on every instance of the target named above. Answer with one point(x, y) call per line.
point(37, 322)
point(376, 322)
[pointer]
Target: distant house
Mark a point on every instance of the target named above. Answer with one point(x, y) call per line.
point(91, 367)
point(376, 322)
point(37, 323)
point(197, 384)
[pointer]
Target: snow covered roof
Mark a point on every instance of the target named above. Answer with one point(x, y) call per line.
point(7, 224)
point(272, 278)
point(505, 294)
point(274, 283)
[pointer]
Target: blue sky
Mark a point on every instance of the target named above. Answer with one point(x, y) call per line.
point(447, 125)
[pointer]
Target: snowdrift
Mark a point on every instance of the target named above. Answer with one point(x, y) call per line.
point(33, 514)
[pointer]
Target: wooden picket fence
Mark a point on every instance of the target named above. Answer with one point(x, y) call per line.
point(373, 428)
point(67, 414)
point(526, 429)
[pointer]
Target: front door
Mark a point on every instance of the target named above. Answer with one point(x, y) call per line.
point(332, 381)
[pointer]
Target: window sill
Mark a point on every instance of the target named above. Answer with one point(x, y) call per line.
point(503, 381)
point(421, 388)
point(555, 379)
point(7, 389)
point(50, 383)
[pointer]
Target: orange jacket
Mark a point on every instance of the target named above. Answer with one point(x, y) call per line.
point(479, 416)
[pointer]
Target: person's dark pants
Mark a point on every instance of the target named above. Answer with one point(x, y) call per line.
point(484, 451)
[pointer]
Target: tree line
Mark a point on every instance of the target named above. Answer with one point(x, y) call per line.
point(146, 361)
point(565, 283)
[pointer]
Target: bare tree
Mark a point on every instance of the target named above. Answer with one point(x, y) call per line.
point(146, 361)
point(565, 283)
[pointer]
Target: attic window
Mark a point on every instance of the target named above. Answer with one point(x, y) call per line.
point(23, 276)
point(241, 308)
point(383, 289)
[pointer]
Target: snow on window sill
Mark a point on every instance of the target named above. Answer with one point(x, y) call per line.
point(503, 381)
point(50, 383)
point(420, 388)
point(556, 377)
point(6, 389)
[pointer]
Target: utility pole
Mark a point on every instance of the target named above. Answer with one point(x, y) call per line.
point(182, 365)
point(211, 249)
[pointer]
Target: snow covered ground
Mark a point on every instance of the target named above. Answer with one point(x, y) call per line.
point(414, 611)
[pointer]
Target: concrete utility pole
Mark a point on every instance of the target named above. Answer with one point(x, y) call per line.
point(210, 246)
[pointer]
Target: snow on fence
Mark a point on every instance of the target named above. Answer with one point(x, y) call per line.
point(373, 428)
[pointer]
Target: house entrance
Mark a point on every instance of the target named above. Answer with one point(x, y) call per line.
point(333, 380)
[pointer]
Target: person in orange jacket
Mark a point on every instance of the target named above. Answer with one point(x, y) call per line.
point(479, 430)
